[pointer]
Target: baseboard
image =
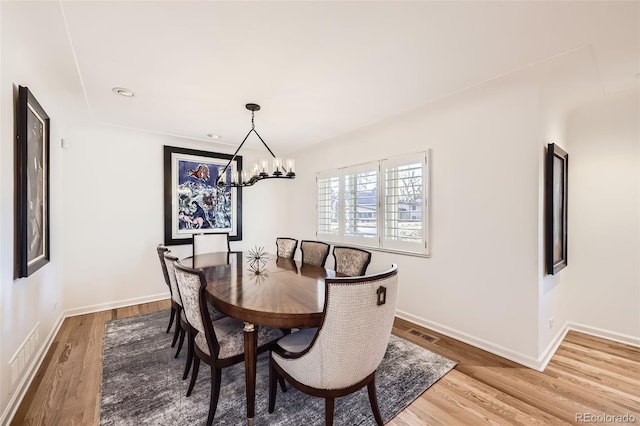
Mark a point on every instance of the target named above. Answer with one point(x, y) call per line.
point(485, 345)
point(30, 373)
point(605, 334)
point(115, 305)
point(32, 369)
point(543, 360)
point(552, 347)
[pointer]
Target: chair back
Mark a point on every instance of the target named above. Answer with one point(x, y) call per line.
point(170, 262)
point(210, 242)
point(351, 261)
point(353, 336)
point(161, 251)
point(314, 252)
point(192, 284)
point(286, 247)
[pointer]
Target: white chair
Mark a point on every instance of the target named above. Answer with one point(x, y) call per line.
point(342, 355)
point(210, 242)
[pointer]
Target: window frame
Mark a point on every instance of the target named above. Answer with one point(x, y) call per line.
point(380, 242)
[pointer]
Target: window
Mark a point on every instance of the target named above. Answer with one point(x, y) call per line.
point(360, 188)
point(328, 205)
point(381, 204)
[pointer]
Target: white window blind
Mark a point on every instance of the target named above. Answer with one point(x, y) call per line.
point(404, 203)
point(361, 204)
point(328, 204)
point(382, 204)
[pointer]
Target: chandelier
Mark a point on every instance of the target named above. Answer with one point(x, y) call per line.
point(260, 170)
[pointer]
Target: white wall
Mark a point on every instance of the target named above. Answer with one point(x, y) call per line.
point(566, 81)
point(604, 215)
point(36, 299)
point(113, 205)
point(480, 282)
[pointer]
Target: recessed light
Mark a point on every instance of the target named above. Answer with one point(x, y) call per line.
point(213, 136)
point(123, 91)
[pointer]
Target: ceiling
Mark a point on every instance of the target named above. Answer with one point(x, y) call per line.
point(321, 69)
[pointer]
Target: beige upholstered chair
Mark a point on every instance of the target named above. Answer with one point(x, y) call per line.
point(220, 343)
point(286, 247)
point(176, 302)
point(351, 261)
point(161, 251)
point(210, 242)
point(342, 355)
point(183, 326)
point(314, 252)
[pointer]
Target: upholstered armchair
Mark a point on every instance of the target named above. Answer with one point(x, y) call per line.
point(342, 355)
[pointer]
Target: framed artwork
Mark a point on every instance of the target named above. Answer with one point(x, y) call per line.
point(32, 185)
point(557, 171)
point(193, 203)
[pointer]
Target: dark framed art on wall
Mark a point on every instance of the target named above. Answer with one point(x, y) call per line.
point(556, 188)
point(193, 203)
point(32, 185)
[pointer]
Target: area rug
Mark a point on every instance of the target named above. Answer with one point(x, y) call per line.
point(142, 383)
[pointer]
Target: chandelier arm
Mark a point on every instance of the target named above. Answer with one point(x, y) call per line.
point(264, 143)
point(235, 154)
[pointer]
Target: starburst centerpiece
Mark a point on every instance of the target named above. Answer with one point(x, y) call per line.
point(258, 257)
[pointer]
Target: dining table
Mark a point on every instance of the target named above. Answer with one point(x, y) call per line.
point(262, 290)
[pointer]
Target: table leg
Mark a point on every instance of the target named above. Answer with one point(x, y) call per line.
point(250, 349)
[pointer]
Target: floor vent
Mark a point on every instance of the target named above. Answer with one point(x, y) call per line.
point(423, 336)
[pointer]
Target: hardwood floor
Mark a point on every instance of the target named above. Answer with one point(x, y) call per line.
point(587, 375)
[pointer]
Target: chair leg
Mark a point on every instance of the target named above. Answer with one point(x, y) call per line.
point(283, 386)
point(181, 342)
point(371, 387)
point(187, 366)
point(194, 375)
point(176, 333)
point(273, 388)
point(216, 376)
point(328, 411)
point(173, 315)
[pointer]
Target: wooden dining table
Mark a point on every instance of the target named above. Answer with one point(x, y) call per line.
point(273, 292)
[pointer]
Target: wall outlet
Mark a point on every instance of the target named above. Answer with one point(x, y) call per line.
point(550, 323)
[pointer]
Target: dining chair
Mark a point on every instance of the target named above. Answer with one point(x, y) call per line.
point(185, 326)
point(218, 343)
point(314, 252)
point(343, 354)
point(351, 261)
point(161, 251)
point(210, 242)
point(176, 302)
point(286, 247)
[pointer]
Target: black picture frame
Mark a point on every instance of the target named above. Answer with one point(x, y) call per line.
point(32, 185)
point(556, 195)
point(193, 203)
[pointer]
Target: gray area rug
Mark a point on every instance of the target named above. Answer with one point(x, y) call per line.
point(142, 383)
